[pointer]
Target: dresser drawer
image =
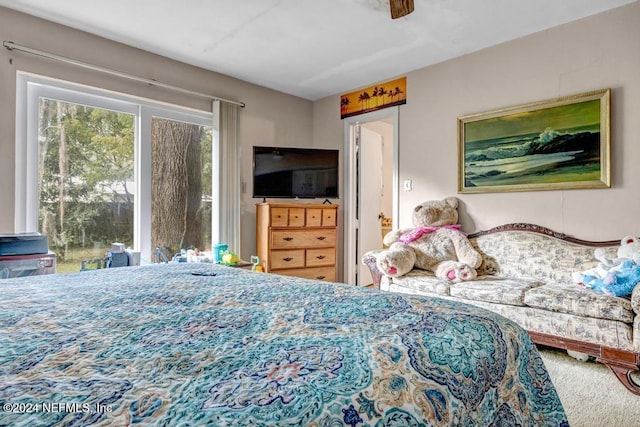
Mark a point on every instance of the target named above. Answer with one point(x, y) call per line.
point(279, 217)
point(318, 217)
point(318, 273)
point(314, 217)
point(287, 239)
point(287, 217)
point(329, 218)
point(322, 256)
point(296, 217)
point(287, 259)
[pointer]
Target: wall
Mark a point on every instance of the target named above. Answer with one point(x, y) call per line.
point(269, 118)
point(597, 52)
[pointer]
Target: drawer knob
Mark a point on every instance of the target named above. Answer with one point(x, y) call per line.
point(321, 237)
point(287, 239)
point(287, 259)
point(321, 257)
point(320, 277)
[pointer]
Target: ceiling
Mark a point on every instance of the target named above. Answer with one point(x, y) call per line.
point(311, 48)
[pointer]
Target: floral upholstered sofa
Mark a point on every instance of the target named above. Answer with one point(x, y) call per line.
point(526, 276)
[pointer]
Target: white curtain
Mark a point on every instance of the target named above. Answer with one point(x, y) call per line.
point(228, 182)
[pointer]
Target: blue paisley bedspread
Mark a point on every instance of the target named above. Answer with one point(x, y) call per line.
point(157, 345)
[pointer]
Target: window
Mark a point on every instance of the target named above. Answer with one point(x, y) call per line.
point(99, 167)
point(86, 179)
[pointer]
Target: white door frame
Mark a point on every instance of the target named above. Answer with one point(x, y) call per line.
point(350, 218)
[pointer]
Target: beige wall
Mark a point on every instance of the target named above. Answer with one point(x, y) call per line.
point(269, 118)
point(601, 51)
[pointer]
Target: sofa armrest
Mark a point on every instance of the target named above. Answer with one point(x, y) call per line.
point(369, 259)
point(635, 299)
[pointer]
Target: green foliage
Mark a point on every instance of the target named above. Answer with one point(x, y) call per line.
point(86, 157)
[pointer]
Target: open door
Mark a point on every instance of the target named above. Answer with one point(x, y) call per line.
point(362, 183)
point(370, 186)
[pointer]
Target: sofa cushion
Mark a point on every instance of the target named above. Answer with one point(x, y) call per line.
point(423, 281)
point(501, 290)
point(573, 299)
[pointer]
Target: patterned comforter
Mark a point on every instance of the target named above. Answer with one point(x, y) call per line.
point(159, 345)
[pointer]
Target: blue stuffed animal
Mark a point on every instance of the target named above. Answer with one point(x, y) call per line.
point(620, 282)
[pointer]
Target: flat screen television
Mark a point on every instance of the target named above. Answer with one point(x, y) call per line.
point(286, 172)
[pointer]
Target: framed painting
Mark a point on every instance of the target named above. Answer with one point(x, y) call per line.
point(557, 144)
point(372, 98)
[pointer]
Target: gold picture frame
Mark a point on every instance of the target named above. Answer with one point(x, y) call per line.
point(557, 144)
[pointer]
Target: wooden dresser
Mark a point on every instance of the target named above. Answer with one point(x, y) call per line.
point(298, 239)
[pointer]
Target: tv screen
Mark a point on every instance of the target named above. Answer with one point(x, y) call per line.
point(295, 172)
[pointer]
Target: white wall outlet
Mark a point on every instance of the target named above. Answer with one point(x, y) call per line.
point(407, 185)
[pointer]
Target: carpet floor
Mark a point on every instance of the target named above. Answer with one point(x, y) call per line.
point(591, 394)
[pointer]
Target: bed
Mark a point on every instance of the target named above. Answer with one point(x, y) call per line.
point(172, 344)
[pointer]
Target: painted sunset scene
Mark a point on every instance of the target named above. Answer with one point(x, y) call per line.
point(542, 147)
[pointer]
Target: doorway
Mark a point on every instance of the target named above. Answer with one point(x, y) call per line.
point(371, 197)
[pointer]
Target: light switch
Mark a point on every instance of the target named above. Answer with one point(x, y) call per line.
point(407, 185)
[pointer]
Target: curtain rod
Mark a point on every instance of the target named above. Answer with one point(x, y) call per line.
point(13, 46)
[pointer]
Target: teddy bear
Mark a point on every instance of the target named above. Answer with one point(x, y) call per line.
point(629, 249)
point(435, 243)
point(619, 282)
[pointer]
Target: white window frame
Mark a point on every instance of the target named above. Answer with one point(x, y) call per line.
point(30, 88)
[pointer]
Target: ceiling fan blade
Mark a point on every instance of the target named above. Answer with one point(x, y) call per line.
point(400, 8)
